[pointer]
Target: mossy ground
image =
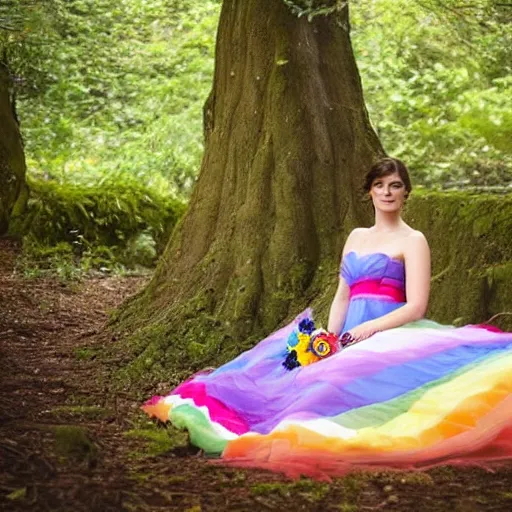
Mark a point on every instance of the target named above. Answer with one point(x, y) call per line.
point(156, 439)
point(68, 441)
point(73, 442)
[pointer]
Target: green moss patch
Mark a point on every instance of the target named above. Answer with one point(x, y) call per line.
point(102, 227)
point(157, 440)
point(73, 443)
point(470, 236)
point(309, 490)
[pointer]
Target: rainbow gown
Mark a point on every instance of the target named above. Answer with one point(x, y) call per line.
point(414, 396)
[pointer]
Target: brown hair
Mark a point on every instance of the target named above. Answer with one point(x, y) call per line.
point(385, 167)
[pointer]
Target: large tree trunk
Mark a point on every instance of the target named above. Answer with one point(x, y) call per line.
point(13, 188)
point(287, 142)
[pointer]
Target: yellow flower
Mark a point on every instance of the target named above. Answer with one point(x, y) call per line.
point(304, 355)
point(306, 358)
point(321, 347)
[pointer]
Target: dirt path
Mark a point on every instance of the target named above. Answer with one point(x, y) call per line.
point(68, 443)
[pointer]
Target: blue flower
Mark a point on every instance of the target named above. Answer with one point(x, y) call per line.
point(291, 361)
point(307, 326)
point(293, 339)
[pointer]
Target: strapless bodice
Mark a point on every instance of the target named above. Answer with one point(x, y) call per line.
point(375, 275)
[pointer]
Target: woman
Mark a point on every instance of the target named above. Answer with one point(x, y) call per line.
point(388, 184)
point(404, 392)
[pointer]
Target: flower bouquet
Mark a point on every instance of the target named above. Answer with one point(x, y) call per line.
point(306, 344)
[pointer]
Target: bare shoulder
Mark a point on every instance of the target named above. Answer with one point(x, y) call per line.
point(352, 238)
point(416, 242)
point(354, 235)
point(357, 232)
point(417, 237)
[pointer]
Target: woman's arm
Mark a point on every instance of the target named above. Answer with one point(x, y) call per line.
point(339, 308)
point(339, 305)
point(417, 286)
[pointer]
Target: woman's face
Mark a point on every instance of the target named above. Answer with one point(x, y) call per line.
point(388, 193)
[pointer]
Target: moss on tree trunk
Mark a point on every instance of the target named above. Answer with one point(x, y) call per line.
point(13, 188)
point(471, 241)
point(287, 142)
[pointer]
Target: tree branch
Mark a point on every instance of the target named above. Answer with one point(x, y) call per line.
point(497, 315)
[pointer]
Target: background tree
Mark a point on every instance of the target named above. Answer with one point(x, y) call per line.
point(17, 19)
point(287, 141)
point(13, 187)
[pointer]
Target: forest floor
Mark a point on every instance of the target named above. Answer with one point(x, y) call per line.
point(68, 443)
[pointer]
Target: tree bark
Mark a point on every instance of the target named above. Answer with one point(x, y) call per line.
point(13, 187)
point(287, 141)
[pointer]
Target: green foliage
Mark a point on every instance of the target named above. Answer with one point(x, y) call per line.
point(119, 90)
point(437, 79)
point(116, 89)
point(28, 42)
point(39, 260)
point(71, 228)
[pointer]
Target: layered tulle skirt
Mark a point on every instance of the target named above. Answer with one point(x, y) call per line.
point(414, 396)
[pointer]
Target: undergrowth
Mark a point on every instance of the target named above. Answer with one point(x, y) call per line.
point(69, 230)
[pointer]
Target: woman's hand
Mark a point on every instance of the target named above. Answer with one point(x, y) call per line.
point(362, 332)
